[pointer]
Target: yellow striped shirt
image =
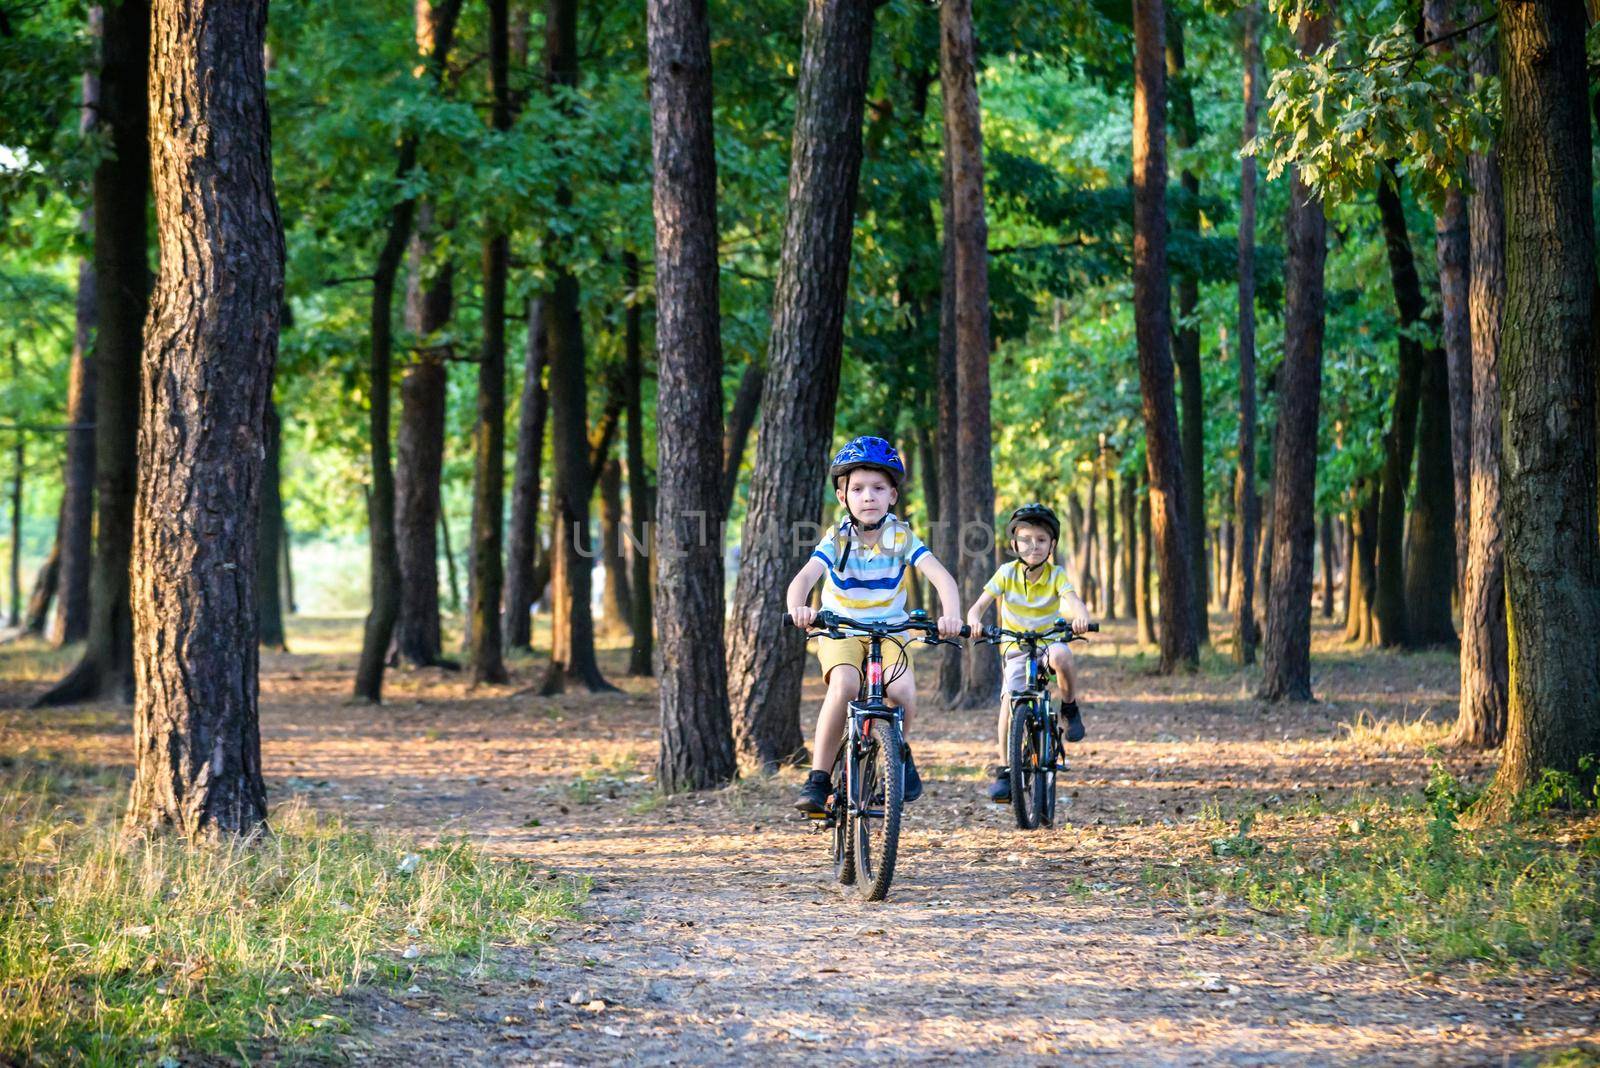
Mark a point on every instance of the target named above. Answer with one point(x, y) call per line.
point(1029, 605)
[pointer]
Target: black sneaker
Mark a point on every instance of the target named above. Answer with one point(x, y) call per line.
point(913, 780)
point(1074, 722)
point(1000, 789)
point(813, 799)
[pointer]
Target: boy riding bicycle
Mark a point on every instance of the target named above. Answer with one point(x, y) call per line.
point(865, 561)
point(1032, 592)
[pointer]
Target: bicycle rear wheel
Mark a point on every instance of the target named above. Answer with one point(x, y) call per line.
point(1027, 768)
point(844, 857)
point(877, 823)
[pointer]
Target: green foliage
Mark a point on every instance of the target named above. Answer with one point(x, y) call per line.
point(113, 952)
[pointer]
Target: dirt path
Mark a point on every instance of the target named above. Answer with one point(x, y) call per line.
point(714, 934)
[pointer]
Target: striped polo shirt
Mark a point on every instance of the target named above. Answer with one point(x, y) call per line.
point(869, 582)
point(1026, 605)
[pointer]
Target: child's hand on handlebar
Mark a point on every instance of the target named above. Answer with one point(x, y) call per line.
point(1080, 623)
point(802, 615)
point(949, 627)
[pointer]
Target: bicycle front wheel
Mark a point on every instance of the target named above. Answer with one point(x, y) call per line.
point(844, 857)
point(881, 797)
point(1027, 765)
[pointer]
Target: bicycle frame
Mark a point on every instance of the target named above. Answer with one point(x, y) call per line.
point(868, 706)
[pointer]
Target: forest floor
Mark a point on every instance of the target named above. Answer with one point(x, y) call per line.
point(713, 933)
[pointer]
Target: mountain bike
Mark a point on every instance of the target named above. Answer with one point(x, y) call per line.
point(1034, 747)
point(864, 806)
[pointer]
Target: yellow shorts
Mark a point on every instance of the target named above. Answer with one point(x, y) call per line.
point(831, 652)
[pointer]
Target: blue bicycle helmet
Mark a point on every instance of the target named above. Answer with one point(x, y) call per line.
point(867, 452)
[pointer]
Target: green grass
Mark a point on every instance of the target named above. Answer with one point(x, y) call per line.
point(117, 951)
point(1406, 876)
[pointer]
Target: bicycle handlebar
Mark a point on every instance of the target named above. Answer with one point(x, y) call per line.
point(994, 634)
point(832, 621)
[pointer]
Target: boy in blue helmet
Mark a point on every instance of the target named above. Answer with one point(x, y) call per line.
point(865, 561)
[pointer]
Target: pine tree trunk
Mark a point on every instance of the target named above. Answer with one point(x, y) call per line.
point(423, 391)
point(1147, 623)
point(1108, 553)
point(641, 497)
point(1547, 369)
point(1286, 644)
point(45, 584)
point(1126, 588)
point(1430, 541)
point(121, 267)
point(969, 233)
point(1360, 626)
point(1327, 566)
point(696, 729)
point(522, 540)
point(1186, 338)
point(212, 342)
point(615, 600)
point(1153, 319)
point(944, 539)
point(1086, 544)
point(765, 658)
point(269, 604)
point(1481, 722)
point(382, 546)
point(75, 531)
point(746, 403)
point(1246, 504)
point(1389, 603)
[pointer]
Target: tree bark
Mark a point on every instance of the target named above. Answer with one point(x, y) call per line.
point(212, 342)
point(1246, 504)
point(641, 496)
point(1389, 605)
point(1360, 627)
point(1147, 623)
point(423, 393)
point(1086, 543)
point(1126, 591)
point(1108, 552)
point(765, 658)
point(1286, 645)
point(1547, 368)
point(75, 531)
point(696, 728)
point(1186, 336)
point(1481, 722)
point(383, 548)
point(944, 538)
point(1328, 559)
point(121, 267)
point(269, 602)
point(969, 233)
point(1153, 318)
point(746, 403)
point(1430, 541)
point(522, 541)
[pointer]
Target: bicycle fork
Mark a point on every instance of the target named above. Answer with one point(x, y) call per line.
point(859, 731)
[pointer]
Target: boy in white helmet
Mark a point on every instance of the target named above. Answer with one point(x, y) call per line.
point(1033, 592)
point(866, 562)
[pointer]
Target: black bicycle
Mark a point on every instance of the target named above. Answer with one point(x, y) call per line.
point(868, 791)
point(1034, 747)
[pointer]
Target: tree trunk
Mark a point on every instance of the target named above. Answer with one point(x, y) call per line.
point(522, 541)
point(1246, 504)
point(1360, 626)
point(1152, 326)
point(1286, 645)
point(1430, 542)
point(1086, 544)
point(1481, 722)
point(1328, 560)
point(75, 532)
point(1452, 248)
point(1389, 605)
point(569, 419)
point(489, 432)
point(1186, 337)
point(765, 658)
point(641, 497)
point(19, 463)
point(383, 549)
point(1226, 534)
point(1108, 552)
point(746, 403)
point(1547, 368)
point(423, 392)
point(696, 728)
point(212, 341)
point(269, 603)
point(121, 267)
point(615, 600)
point(1126, 591)
point(969, 233)
point(1147, 623)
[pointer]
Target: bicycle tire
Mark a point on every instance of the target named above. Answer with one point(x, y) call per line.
point(1027, 774)
point(882, 782)
point(1050, 757)
point(844, 857)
